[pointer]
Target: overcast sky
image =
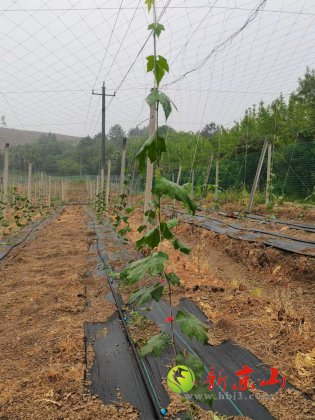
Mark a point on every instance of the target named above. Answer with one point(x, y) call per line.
point(54, 52)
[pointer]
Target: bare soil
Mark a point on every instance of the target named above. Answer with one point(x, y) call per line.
point(45, 287)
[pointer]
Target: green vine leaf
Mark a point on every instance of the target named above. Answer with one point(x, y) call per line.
point(152, 265)
point(173, 279)
point(182, 248)
point(159, 66)
point(151, 239)
point(124, 230)
point(150, 215)
point(146, 294)
point(152, 149)
point(193, 362)
point(156, 28)
point(165, 187)
point(149, 3)
point(154, 236)
point(156, 96)
point(192, 326)
point(156, 345)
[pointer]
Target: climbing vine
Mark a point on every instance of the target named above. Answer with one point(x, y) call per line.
point(157, 229)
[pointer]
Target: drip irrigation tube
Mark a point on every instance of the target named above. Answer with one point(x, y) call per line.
point(142, 370)
point(33, 228)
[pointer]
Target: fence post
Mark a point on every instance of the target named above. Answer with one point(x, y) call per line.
point(256, 180)
point(123, 165)
point(49, 192)
point(102, 181)
point(29, 181)
point(269, 154)
point(216, 191)
point(62, 190)
point(5, 178)
point(192, 182)
point(179, 174)
point(208, 171)
point(107, 184)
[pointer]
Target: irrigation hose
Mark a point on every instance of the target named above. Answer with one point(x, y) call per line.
point(31, 231)
point(159, 411)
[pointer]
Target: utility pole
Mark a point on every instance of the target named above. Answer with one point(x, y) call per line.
point(103, 95)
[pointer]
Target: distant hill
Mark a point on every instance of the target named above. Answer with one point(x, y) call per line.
point(15, 137)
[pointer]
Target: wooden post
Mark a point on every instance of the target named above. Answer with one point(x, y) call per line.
point(97, 184)
point(256, 180)
point(123, 165)
point(42, 183)
point(149, 177)
point(107, 184)
point(268, 184)
point(62, 190)
point(216, 191)
point(179, 174)
point(29, 181)
point(208, 171)
point(5, 178)
point(102, 180)
point(192, 182)
point(49, 192)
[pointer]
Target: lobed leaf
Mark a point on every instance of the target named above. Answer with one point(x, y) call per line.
point(156, 28)
point(151, 239)
point(192, 326)
point(156, 96)
point(156, 345)
point(182, 248)
point(146, 294)
point(149, 3)
point(154, 236)
point(152, 148)
point(159, 66)
point(152, 265)
point(165, 187)
point(173, 279)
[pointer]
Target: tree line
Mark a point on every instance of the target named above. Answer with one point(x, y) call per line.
point(288, 124)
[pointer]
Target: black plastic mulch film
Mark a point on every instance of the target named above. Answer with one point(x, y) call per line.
point(237, 231)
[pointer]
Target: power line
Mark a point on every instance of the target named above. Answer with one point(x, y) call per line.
point(70, 9)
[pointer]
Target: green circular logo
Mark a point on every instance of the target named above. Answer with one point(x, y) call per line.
point(180, 379)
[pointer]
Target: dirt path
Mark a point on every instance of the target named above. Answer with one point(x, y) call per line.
point(45, 286)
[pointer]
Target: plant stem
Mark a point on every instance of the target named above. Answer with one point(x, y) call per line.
point(171, 315)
